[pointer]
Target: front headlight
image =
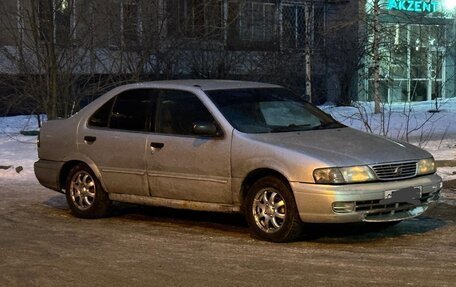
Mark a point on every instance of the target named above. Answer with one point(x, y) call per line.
point(357, 174)
point(328, 175)
point(351, 174)
point(426, 166)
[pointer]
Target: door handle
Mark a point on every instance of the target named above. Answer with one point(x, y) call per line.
point(157, 145)
point(90, 139)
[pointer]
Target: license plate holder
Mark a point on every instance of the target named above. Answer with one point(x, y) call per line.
point(408, 195)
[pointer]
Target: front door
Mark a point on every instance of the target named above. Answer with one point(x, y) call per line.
point(181, 165)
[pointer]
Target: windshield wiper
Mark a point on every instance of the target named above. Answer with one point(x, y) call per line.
point(330, 125)
point(289, 128)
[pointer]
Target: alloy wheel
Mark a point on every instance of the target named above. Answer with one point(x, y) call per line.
point(269, 210)
point(82, 190)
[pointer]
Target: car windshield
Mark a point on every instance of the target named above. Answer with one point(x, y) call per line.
point(269, 110)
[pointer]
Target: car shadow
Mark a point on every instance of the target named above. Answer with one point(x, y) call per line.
point(228, 222)
point(57, 201)
point(236, 224)
point(361, 232)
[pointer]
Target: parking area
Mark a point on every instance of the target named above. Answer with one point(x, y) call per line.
point(42, 244)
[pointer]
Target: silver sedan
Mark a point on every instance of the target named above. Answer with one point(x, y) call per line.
point(231, 146)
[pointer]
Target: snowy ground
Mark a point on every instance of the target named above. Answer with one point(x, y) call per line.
point(17, 150)
point(435, 132)
point(402, 120)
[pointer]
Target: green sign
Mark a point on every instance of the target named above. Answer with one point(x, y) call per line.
point(413, 5)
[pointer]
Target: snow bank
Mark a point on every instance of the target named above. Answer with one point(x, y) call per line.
point(13, 125)
point(401, 120)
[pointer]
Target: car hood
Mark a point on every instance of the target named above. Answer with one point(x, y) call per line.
point(344, 146)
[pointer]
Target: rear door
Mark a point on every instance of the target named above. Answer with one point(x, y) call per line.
point(181, 165)
point(115, 139)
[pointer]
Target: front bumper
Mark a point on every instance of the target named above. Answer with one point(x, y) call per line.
point(315, 201)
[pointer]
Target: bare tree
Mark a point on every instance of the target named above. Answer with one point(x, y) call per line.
point(376, 52)
point(62, 51)
point(45, 54)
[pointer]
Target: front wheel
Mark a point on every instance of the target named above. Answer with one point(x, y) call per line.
point(271, 211)
point(84, 193)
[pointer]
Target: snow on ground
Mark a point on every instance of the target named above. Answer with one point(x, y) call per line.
point(435, 132)
point(402, 120)
point(17, 150)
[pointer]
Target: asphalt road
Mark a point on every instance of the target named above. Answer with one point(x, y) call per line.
point(42, 244)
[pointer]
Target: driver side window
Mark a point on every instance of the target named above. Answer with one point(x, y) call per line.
point(178, 111)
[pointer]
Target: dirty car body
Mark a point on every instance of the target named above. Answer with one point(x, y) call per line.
point(231, 146)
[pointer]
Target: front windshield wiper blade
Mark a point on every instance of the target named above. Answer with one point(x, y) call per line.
point(289, 128)
point(330, 125)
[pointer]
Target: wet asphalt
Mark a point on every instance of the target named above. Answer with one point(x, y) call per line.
point(42, 244)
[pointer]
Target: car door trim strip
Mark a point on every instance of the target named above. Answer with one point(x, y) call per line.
point(123, 171)
point(189, 177)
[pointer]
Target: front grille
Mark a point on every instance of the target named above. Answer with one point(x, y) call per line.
point(373, 210)
point(374, 206)
point(393, 171)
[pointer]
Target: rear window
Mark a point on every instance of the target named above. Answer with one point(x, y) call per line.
point(132, 110)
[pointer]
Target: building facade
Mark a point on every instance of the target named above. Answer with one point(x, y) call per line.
point(417, 51)
point(318, 48)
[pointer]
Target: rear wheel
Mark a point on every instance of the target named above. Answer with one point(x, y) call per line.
point(271, 211)
point(84, 193)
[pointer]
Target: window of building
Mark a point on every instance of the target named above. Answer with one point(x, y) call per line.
point(293, 26)
point(63, 23)
point(130, 23)
point(412, 62)
point(263, 22)
point(318, 17)
point(199, 18)
point(397, 47)
point(55, 20)
point(45, 20)
point(112, 34)
point(257, 21)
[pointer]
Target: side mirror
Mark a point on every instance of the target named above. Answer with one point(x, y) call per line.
point(205, 129)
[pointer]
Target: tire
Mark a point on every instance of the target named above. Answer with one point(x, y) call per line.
point(271, 211)
point(84, 193)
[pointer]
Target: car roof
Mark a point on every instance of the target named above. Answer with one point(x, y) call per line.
point(205, 85)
